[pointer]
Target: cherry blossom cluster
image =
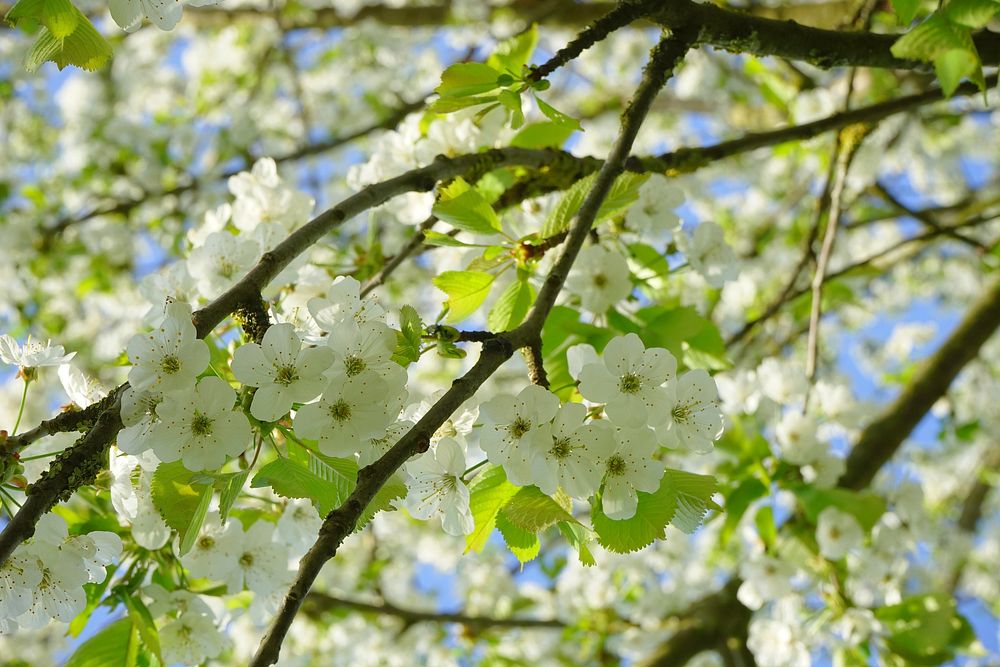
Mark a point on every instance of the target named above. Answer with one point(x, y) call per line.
point(645, 406)
point(43, 579)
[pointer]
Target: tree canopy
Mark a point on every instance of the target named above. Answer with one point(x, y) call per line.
point(528, 332)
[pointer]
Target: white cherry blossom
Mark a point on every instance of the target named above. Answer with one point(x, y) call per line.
point(169, 358)
point(694, 420)
point(282, 371)
point(200, 427)
point(347, 414)
point(707, 252)
point(653, 212)
point(260, 564)
point(570, 454)
point(629, 380)
point(438, 489)
point(600, 278)
point(628, 469)
point(221, 261)
point(837, 532)
point(32, 354)
point(512, 424)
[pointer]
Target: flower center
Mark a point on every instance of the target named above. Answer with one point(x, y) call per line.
point(561, 448)
point(600, 280)
point(681, 413)
point(447, 430)
point(520, 427)
point(246, 560)
point(201, 425)
point(286, 375)
point(630, 383)
point(353, 364)
point(206, 542)
point(226, 269)
point(340, 411)
point(616, 466)
point(170, 364)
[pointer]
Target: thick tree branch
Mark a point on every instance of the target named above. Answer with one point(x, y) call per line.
point(317, 603)
point(741, 33)
point(882, 437)
point(340, 522)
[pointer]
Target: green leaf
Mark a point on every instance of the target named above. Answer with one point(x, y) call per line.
point(653, 513)
point(60, 17)
point(531, 510)
point(737, 503)
point(142, 620)
point(954, 65)
point(694, 498)
point(925, 629)
point(488, 493)
point(409, 339)
point(906, 10)
point(181, 502)
point(231, 488)
point(84, 47)
point(522, 543)
point(623, 193)
point(578, 536)
point(467, 79)
point(865, 506)
point(466, 291)
point(468, 211)
point(690, 337)
point(556, 116)
point(512, 306)
point(768, 531)
point(512, 101)
point(971, 13)
point(931, 38)
point(511, 55)
point(447, 240)
point(291, 479)
point(545, 134)
point(114, 646)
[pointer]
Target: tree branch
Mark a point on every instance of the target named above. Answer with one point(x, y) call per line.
point(317, 603)
point(740, 33)
point(341, 521)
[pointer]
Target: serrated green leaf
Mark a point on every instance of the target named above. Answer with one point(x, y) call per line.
point(906, 10)
point(180, 501)
point(531, 510)
point(623, 193)
point(694, 498)
point(292, 479)
point(971, 13)
point(865, 506)
point(451, 104)
point(546, 134)
point(737, 503)
point(468, 211)
point(556, 116)
point(488, 493)
point(653, 512)
point(115, 646)
point(58, 16)
point(511, 55)
point(522, 543)
point(954, 65)
point(578, 536)
point(409, 338)
point(931, 38)
point(513, 304)
point(467, 79)
point(466, 291)
point(85, 47)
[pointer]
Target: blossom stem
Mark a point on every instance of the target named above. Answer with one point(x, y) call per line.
point(37, 456)
point(9, 497)
point(472, 468)
point(20, 410)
